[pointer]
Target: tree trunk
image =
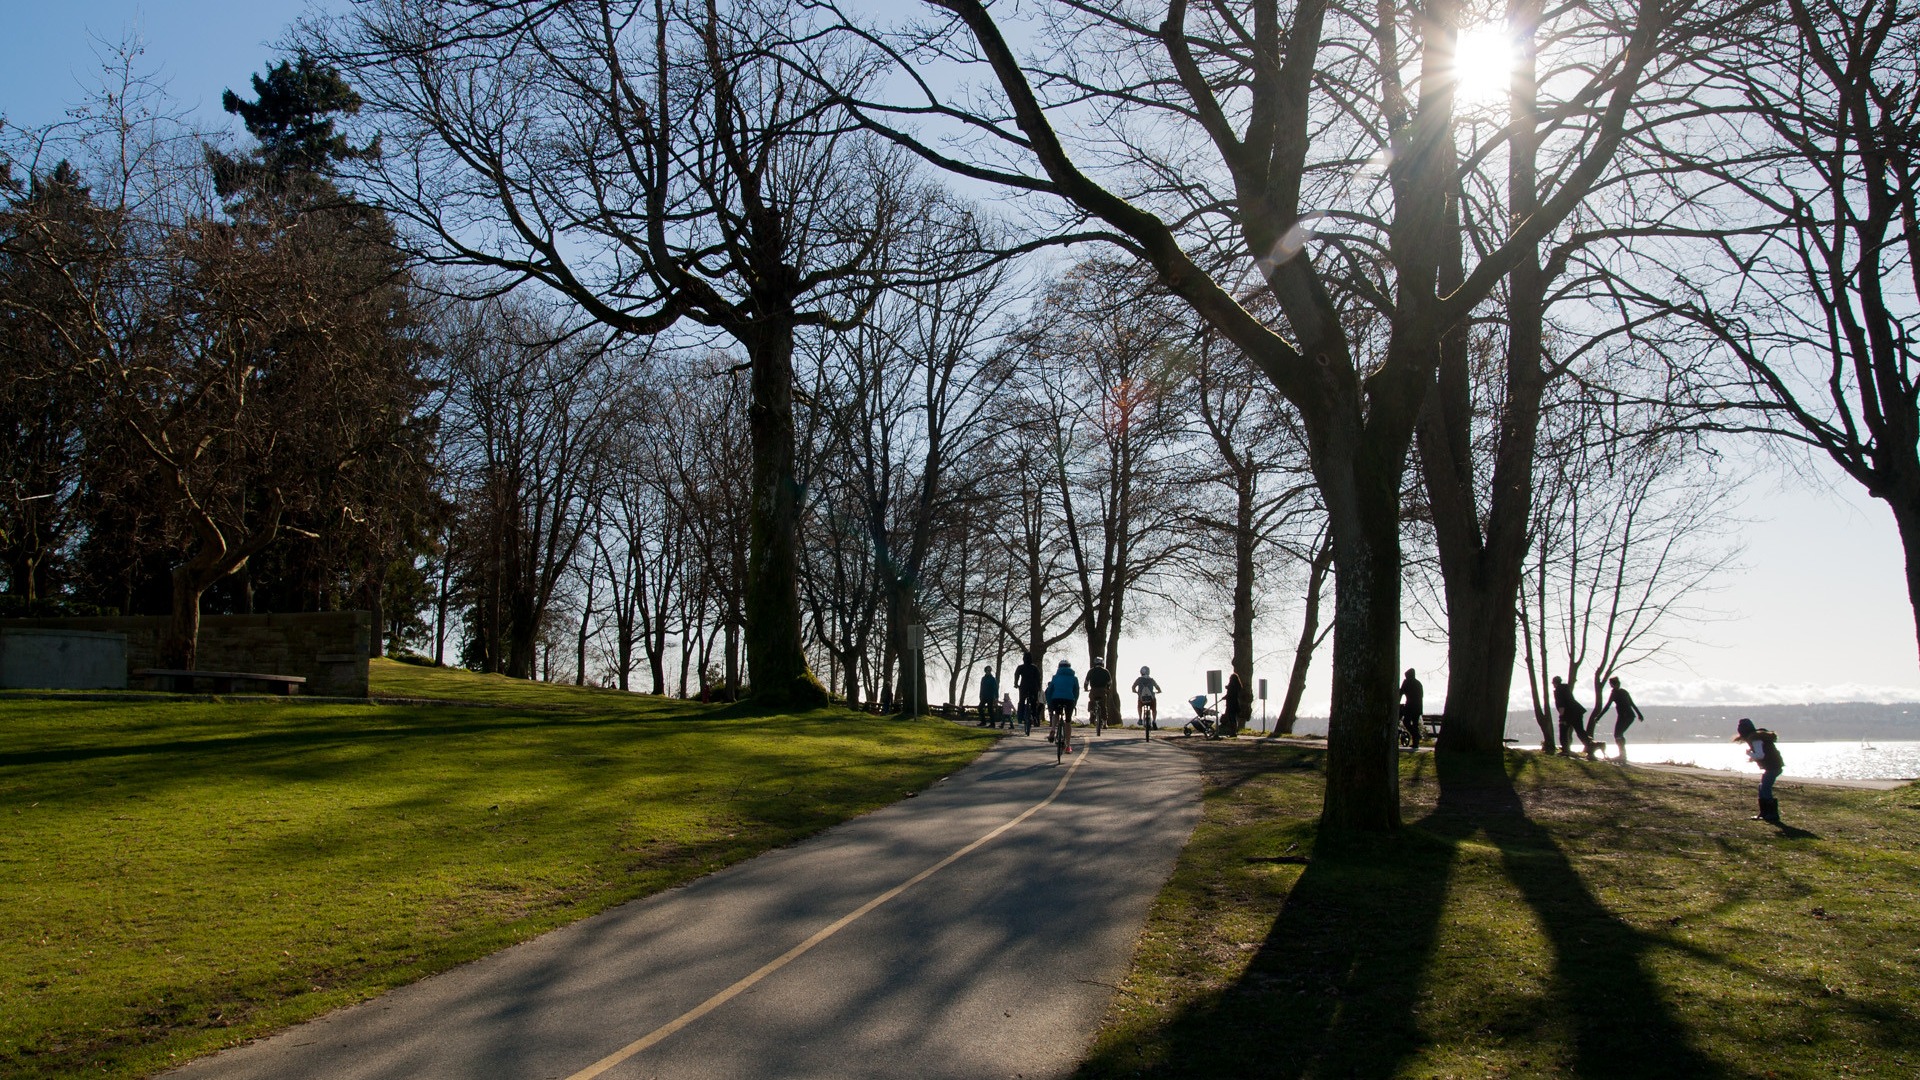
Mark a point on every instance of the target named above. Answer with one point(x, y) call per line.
point(1243, 545)
point(441, 599)
point(776, 658)
point(1481, 571)
point(522, 631)
point(1359, 471)
point(180, 646)
point(376, 611)
point(1309, 639)
point(1906, 517)
point(216, 559)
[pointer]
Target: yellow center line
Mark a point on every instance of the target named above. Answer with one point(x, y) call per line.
point(657, 1034)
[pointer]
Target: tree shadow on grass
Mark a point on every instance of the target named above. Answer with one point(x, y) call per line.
point(1336, 987)
point(1603, 994)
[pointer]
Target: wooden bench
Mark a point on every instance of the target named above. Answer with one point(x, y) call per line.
point(181, 682)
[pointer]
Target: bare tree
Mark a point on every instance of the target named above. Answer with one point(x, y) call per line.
point(1267, 512)
point(530, 415)
point(1811, 283)
point(902, 405)
point(1099, 356)
point(653, 162)
point(1265, 94)
point(1628, 535)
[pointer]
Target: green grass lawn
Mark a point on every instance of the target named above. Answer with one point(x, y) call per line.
point(1550, 919)
point(176, 876)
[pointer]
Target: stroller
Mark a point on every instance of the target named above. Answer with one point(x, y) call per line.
point(1205, 718)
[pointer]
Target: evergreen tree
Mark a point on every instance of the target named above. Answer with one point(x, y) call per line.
point(292, 115)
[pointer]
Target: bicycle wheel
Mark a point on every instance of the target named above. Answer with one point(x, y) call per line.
point(1097, 708)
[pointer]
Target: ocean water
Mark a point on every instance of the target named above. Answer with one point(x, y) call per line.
point(1854, 759)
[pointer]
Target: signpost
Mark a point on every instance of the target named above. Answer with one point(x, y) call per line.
point(1263, 704)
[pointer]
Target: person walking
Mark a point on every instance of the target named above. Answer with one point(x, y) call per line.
point(1572, 718)
point(1625, 713)
point(1026, 682)
point(1006, 710)
point(1413, 705)
point(1763, 750)
point(1233, 706)
point(989, 696)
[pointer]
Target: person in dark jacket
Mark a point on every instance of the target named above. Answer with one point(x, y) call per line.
point(1027, 682)
point(1625, 713)
point(1233, 707)
point(1573, 717)
point(1413, 705)
point(1099, 691)
point(1763, 750)
point(989, 696)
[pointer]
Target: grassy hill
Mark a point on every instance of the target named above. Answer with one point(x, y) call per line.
point(179, 875)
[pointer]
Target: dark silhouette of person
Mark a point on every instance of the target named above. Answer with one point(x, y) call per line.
point(1573, 717)
point(1413, 705)
point(1099, 679)
point(989, 696)
point(1233, 712)
point(1762, 750)
point(1625, 713)
point(1027, 680)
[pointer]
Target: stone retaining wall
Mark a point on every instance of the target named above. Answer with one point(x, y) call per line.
point(328, 648)
point(43, 659)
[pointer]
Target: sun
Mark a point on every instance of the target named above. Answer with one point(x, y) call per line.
point(1483, 58)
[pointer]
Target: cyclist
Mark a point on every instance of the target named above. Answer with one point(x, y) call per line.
point(1063, 693)
point(1147, 693)
point(1027, 680)
point(1099, 685)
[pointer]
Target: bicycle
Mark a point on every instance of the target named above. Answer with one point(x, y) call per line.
point(1409, 731)
point(1149, 713)
point(1097, 711)
point(1060, 713)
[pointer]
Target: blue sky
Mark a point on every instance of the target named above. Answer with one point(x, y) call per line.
point(1819, 613)
point(201, 47)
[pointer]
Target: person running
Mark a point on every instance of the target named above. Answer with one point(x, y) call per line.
point(1763, 750)
point(1026, 682)
point(1099, 691)
point(1063, 693)
point(1572, 718)
point(1625, 713)
point(1146, 695)
point(1413, 705)
point(989, 696)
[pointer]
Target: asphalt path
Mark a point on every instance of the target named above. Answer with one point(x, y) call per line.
point(977, 930)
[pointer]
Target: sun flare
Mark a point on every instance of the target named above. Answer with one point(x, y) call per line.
point(1483, 59)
